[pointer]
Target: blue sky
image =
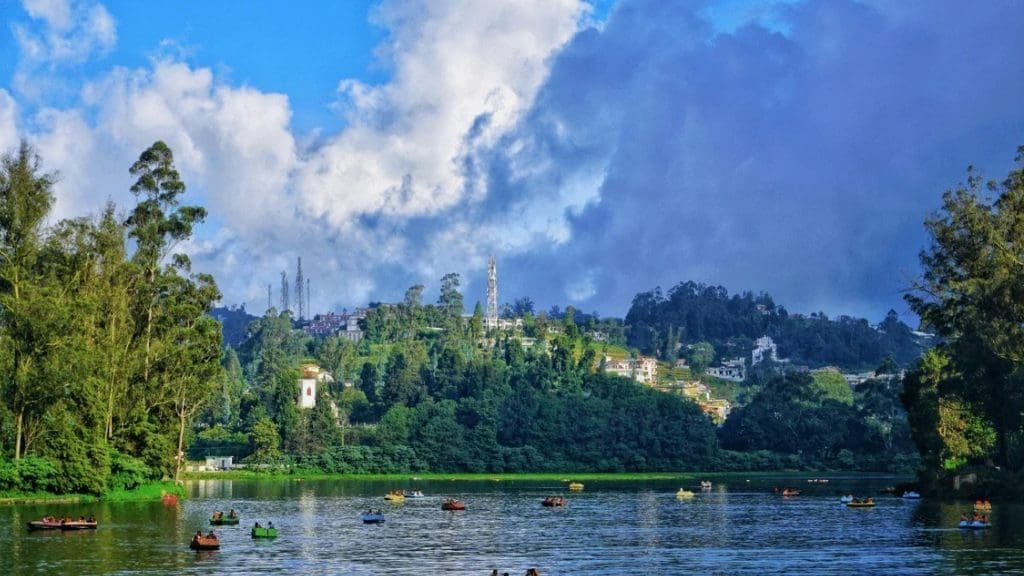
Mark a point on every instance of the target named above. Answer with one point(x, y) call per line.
point(596, 149)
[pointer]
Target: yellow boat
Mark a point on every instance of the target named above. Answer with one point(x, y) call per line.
point(684, 494)
point(575, 486)
point(395, 496)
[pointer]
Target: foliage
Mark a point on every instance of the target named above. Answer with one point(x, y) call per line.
point(971, 293)
point(693, 312)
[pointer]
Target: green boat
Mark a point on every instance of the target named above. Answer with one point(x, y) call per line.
point(264, 532)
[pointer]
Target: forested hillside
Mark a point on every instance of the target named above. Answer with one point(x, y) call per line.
point(657, 324)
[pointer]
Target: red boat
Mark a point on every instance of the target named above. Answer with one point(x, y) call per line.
point(208, 542)
point(452, 504)
point(552, 501)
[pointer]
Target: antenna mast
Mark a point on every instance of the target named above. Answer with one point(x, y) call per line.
point(299, 282)
point(492, 294)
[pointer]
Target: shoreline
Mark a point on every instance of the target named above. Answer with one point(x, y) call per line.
point(148, 492)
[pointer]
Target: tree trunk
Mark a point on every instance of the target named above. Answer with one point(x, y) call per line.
point(19, 423)
point(179, 456)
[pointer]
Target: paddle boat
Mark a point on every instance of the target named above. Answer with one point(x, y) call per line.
point(219, 519)
point(452, 504)
point(859, 503)
point(982, 505)
point(552, 501)
point(575, 486)
point(682, 493)
point(395, 496)
point(412, 494)
point(705, 485)
point(80, 524)
point(370, 517)
point(911, 495)
point(267, 531)
point(47, 523)
point(974, 524)
point(208, 542)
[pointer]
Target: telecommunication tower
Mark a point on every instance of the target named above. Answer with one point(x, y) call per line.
point(270, 298)
point(284, 291)
point(299, 291)
point(492, 294)
point(309, 306)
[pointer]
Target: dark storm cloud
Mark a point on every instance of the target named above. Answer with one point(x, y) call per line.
point(799, 163)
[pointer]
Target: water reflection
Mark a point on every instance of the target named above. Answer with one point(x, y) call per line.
point(611, 528)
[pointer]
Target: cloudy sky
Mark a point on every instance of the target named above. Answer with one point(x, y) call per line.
point(595, 149)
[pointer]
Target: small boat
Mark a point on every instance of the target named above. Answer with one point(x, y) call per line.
point(575, 486)
point(395, 496)
point(78, 525)
point(263, 532)
point(684, 493)
point(911, 495)
point(219, 519)
point(790, 492)
point(857, 503)
point(48, 523)
point(845, 499)
point(208, 542)
point(552, 501)
point(373, 517)
point(452, 504)
point(705, 485)
point(413, 494)
point(982, 505)
point(974, 524)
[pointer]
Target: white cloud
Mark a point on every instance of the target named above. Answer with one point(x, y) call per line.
point(8, 122)
point(454, 62)
point(64, 32)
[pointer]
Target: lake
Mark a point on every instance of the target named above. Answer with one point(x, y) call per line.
point(612, 527)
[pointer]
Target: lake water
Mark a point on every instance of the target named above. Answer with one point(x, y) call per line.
point(739, 527)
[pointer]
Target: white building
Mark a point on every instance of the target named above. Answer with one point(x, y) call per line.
point(732, 370)
point(311, 376)
point(644, 370)
point(764, 348)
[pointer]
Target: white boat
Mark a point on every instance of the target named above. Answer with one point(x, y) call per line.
point(911, 495)
point(846, 499)
point(705, 485)
point(413, 494)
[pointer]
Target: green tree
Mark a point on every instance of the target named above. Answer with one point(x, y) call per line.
point(25, 200)
point(700, 356)
point(970, 294)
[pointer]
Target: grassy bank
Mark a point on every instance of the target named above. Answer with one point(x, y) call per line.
point(146, 492)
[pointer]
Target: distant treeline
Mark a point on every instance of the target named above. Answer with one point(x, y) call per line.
point(664, 324)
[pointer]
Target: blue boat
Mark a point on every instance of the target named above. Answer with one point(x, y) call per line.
point(975, 524)
point(373, 518)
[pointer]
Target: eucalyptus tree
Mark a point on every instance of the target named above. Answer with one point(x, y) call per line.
point(26, 197)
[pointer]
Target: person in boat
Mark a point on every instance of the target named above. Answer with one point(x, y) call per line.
point(91, 519)
point(984, 519)
point(232, 514)
point(211, 535)
point(258, 525)
point(976, 517)
point(494, 572)
point(963, 516)
point(270, 525)
point(869, 500)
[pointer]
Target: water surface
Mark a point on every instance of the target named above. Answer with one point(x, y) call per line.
point(739, 527)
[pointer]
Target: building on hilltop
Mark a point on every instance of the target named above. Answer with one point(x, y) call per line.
point(642, 369)
point(733, 370)
point(764, 348)
point(345, 325)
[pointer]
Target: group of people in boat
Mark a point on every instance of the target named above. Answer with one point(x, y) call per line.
point(218, 515)
point(981, 518)
point(865, 500)
point(372, 512)
point(269, 526)
point(199, 536)
point(982, 504)
point(69, 520)
point(529, 572)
